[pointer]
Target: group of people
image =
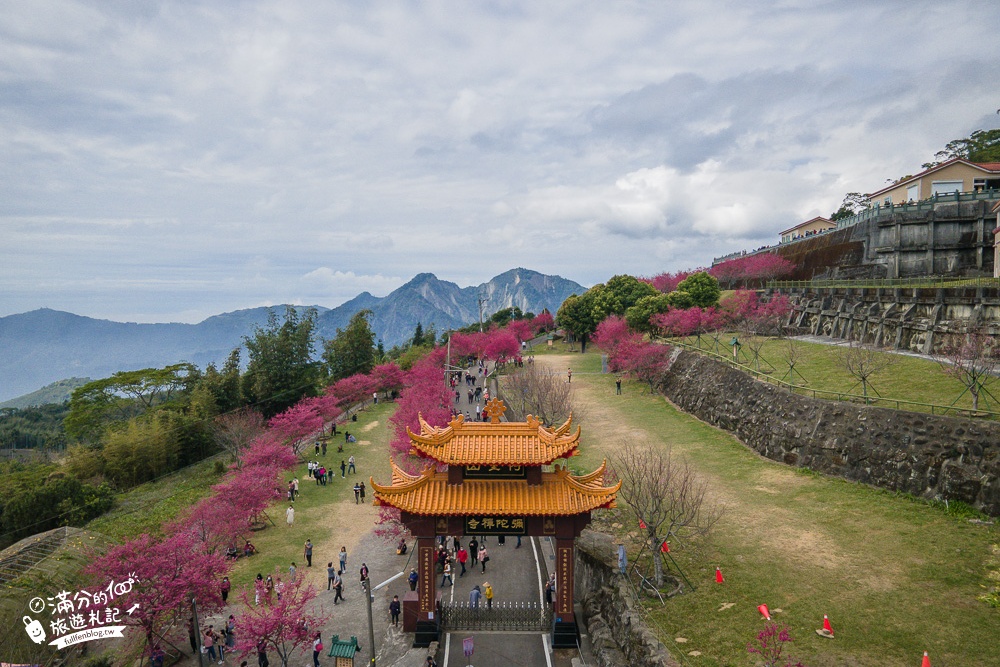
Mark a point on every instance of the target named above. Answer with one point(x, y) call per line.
point(214, 643)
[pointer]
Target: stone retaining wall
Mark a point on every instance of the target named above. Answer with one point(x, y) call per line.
point(618, 633)
point(927, 455)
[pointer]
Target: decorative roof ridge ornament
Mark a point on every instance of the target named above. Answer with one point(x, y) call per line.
point(495, 409)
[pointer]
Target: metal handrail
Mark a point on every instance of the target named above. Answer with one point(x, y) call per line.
point(889, 283)
point(847, 397)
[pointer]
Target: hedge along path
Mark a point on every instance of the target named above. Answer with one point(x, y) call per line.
point(327, 515)
point(896, 577)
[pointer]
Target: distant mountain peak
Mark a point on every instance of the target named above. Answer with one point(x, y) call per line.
point(46, 345)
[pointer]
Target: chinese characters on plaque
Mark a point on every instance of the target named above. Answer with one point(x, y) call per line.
point(495, 472)
point(427, 579)
point(494, 525)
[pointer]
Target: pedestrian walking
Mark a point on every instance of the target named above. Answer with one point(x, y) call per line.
point(362, 492)
point(473, 551)
point(364, 574)
point(224, 588)
point(474, 595)
point(413, 579)
point(394, 609)
point(483, 557)
point(357, 493)
point(343, 468)
point(291, 571)
point(262, 660)
point(447, 574)
point(231, 633)
point(350, 465)
point(331, 573)
point(317, 649)
point(488, 594)
point(290, 516)
point(618, 386)
point(208, 643)
point(308, 550)
point(569, 375)
point(343, 559)
point(338, 588)
point(461, 557)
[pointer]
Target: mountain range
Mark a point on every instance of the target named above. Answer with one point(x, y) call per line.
point(43, 346)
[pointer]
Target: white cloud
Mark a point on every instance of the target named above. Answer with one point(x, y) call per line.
point(228, 150)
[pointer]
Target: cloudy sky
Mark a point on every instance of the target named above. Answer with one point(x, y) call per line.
point(165, 161)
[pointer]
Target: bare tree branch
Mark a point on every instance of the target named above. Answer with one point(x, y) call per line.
point(664, 494)
point(234, 431)
point(537, 391)
point(863, 362)
point(973, 359)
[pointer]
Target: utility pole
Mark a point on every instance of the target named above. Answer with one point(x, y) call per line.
point(371, 627)
point(197, 632)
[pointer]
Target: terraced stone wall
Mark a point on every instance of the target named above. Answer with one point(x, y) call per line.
point(927, 455)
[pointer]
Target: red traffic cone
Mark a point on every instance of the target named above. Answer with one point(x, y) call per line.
point(926, 662)
point(764, 611)
point(718, 576)
point(826, 624)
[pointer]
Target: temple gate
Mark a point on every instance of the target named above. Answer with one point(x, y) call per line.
point(493, 485)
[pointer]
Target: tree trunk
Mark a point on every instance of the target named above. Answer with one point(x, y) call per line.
point(657, 565)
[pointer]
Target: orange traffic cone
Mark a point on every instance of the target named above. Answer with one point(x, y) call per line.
point(718, 576)
point(764, 611)
point(826, 624)
point(926, 662)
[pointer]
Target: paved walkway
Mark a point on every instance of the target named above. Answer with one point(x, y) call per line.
point(516, 574)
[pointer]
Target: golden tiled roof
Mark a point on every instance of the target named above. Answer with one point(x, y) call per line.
point(496, 443)
point(559, 494)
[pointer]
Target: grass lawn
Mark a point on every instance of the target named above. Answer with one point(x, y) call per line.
point(895, 576)
point(908, 378)
point(326, 515)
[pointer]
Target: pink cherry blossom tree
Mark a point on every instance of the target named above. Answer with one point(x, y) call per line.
point(501, 345)
point(167, 573)
point(296, 424)
point(543, 322)
point(282, 626)
point(269, 451)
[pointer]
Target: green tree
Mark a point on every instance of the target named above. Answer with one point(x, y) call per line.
point(854, 203)
point(699, 289)
point(225, 385)
point(124, 395)
point(576, 315)
point(140, 451)
point(504, 316)
point(638, 315)
point(352, 350)
point(280, 370)
point(418, 335)
point(619, 294)
point(980, 146)
point(60, 500)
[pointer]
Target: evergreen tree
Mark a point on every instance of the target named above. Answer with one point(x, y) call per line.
point(418, 335)
point(352, 350)
point(281, 370)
